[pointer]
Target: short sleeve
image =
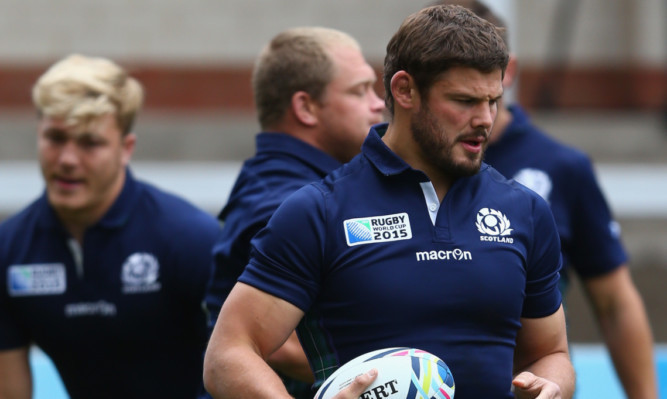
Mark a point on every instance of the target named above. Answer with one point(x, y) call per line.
point(287, 255)
point(543, 297)
point(596, 246)
point(12, 335)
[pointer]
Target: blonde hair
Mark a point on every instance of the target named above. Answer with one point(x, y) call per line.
point(297, 59)
point(80, 89)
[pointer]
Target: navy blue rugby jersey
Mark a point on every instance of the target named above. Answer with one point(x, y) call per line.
point(282, 164)
point(121, 315)
point(375, 261)
point(564, 176)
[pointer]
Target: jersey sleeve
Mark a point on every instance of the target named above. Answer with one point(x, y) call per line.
point(287, 255)
point(543, 297)
point(249, 208)
point(596, 246)
point(12, 335)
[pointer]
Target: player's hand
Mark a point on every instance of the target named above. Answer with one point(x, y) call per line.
point(358, 386)
point(529, 386)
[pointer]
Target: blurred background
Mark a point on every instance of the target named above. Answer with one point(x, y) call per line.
point(593, 73)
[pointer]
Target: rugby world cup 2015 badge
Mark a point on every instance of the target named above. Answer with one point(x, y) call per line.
point(36, 279)
point(374, 229)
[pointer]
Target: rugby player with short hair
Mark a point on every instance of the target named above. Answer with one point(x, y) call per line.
point(315, 102)
point(339, 258)
point(105, 273)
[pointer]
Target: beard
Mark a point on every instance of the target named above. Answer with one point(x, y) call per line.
point(437, 148)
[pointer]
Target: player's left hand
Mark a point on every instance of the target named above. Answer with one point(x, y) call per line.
point(358, 386)
point(529, 386)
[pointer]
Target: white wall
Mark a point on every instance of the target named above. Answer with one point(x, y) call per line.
point(208, 31)
point(233, 31)
point(596, 32)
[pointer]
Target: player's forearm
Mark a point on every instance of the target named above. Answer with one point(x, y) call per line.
point(15, 377)
point(240, 373)
point(290, 360)
point(629, 339)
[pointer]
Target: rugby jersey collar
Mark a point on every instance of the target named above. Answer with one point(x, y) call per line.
point(520, 123)
point(377, 152)
point(386, 161)
point(282, 143)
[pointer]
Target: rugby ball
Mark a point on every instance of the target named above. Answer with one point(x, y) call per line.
point(403, 373)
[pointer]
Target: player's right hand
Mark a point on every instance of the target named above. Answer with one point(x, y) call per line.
point(529, 386)
point(358, 386)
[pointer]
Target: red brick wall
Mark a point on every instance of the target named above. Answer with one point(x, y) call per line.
point(638, 88)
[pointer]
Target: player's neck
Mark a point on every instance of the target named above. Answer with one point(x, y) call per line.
point(400, 141)
point(75, 224)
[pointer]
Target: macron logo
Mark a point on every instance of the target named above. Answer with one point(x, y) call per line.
point(456, 254)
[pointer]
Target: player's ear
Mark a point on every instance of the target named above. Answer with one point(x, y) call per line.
point(510, 72)
point(304, 108)
point(129, 143)
point(403, 90)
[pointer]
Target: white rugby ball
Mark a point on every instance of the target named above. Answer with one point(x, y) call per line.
point(402, 373)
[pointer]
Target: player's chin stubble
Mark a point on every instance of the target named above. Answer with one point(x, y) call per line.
point(433, 142)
